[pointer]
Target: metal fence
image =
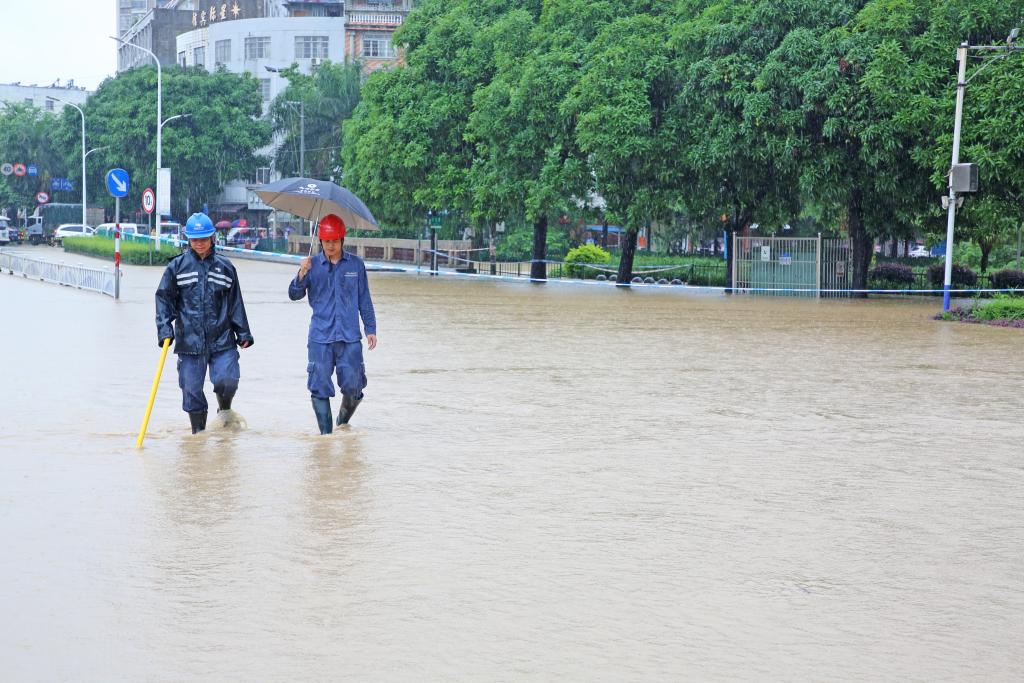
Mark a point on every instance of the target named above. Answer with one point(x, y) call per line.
point(93, 279)
point(791, 266)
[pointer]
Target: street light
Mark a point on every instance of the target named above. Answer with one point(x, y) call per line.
point(159, 112)
point(302, 134)
point(176, 116)
point(961, 87)
point(82, 114)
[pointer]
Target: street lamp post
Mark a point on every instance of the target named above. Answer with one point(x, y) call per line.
point(302, 124)
point(159, 110)
point(961, 87)
point(302, 134)
point(82, 114)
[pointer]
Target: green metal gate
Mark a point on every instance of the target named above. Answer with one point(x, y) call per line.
point(790, 266)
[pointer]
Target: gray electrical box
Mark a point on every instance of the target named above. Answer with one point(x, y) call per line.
point(964, 178)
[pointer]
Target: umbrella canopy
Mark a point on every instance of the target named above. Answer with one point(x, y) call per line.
point(240, 223)
point(313, 199)
point(223, 224)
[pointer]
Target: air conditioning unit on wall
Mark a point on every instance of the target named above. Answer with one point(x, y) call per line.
point(316, 61)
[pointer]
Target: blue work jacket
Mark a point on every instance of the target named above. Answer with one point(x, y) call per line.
point(338, 294)
point(202, 300)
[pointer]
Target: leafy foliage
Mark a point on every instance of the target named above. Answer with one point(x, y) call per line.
point(215, 144)
point(1001, 308)
point(328, 96)
point(961, 276)
point(25, 137)
point(134, 252)
point(1007, 279)
point(585, 253)
point(896, 273)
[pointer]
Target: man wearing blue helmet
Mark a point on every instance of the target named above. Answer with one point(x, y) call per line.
point(199, 306)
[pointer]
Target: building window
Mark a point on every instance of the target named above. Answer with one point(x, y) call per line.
point(222, 52)
point(310, 47)
point(257, 47)
point(377, 45)
point(181, 58)
point(28, 101)
point(49, 105)
point(199, 56)
point(265, 89)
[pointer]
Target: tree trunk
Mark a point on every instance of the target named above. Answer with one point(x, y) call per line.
point(538, 268)
point(861, 244)
point(986, 249)
point(628, 248)
point(604, 233)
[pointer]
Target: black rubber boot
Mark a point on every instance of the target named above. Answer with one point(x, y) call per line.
point(348, 408)
point(322, 408)
point(224, 401)
point(198, 421)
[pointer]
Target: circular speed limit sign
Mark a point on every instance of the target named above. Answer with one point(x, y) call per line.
point(7, 169)
point(42, 197)
point(148, 200)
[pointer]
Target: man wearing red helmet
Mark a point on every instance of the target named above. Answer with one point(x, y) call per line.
point(339, 295)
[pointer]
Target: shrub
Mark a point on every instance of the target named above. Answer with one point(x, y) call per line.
point(136, 253)
point(1001, 308)
point(585, 253)
point(1007, 279)
point(896, 273)
point(962, 276)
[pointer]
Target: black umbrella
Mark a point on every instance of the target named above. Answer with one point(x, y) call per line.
point(313, 199)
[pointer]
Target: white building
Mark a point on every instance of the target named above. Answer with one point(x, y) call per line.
point(261, 47)
point(36, 94)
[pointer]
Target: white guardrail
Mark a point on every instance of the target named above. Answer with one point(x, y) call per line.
point(93, 279)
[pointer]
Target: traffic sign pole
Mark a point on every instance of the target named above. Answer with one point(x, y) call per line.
point(117, 248)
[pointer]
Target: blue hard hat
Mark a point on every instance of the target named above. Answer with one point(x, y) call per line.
point(198, 225)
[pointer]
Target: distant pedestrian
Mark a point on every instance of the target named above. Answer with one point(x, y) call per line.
point(199, 295)
point(339, 295)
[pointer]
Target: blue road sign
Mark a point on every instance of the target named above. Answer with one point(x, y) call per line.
point(33, 169)
point(61, 185)
point(117, 182)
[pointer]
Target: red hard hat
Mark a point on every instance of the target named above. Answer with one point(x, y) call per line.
point(332, 227)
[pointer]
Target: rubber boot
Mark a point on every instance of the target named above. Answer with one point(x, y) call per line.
point(322, 408)
point(198, 421)
point(224, 401)
point(348, 408)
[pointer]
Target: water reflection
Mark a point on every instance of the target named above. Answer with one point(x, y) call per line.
point(334, 481)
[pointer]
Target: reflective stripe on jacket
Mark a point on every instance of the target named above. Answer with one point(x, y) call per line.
point(202, 299)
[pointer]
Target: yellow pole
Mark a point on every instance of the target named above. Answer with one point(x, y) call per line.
point(152, 392)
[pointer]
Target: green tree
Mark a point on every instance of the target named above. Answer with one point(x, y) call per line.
point(329, 96)
point(625, 124)
point(25, 137)
point(741, 135)
point(217, 143)
point(405, 149)
point(528, 162)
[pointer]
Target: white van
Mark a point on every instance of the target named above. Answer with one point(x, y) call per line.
point(126, 229)
point(5, 230)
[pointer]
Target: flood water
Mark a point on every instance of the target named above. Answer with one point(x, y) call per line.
point(545, 482)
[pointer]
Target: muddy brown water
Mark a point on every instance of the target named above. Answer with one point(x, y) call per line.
point(544, 483)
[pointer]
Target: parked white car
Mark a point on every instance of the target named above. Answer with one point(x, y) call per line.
point(126, 229)
point(72, 230)
point(919, 252)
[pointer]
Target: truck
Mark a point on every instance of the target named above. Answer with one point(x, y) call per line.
point(39, 226)
point(8, 232)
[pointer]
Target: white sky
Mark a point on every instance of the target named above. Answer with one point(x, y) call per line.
point(43, 40)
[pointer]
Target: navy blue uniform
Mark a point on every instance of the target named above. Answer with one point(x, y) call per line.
point(339, 295)
point(202, 300)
